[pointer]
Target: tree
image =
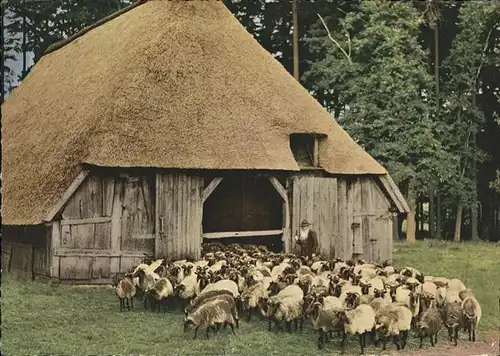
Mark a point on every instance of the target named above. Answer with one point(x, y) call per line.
point(462, 117)
point(379, 71)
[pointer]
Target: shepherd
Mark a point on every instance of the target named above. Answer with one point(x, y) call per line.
point(307, 240)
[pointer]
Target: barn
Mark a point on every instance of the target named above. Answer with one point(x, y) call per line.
point(167, 125)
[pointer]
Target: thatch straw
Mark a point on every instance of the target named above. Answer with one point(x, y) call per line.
point(177, 84)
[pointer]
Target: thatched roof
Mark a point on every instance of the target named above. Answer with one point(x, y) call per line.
point(177, 84)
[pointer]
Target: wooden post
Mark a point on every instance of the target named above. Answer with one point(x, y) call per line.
point(410, 226)
point(295, 42)
point(116, 226)
point(55, 244)
point(316, 152)
point(287, 238)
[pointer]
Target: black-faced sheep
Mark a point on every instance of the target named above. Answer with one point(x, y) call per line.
point(125, 290)
point(325, 320)
point(361, 321)
point(453, 319)
point(430, 324)
point(393, 320)
point(472, 315)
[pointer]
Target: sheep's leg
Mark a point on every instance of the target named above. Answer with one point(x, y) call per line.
point(361, 342)
point(128, 304)
point(405, 338)
point(456, 335)
point(450, 333)
point(432, 340)
point(289, 326)
point(384, 343)
point(249, 317)
point(301, 323)
point(421, 342)
point(344, 338)
point(145, 303)
point(195, 332)
point(296, 323)
point(165, 305)
point(232, 329)
point(435, 338)
point(208, 328)
point(320, 339)
point(269, 324)
point(469, 331)
point(132, 301)
point(237, 320)
point(217, 328)
point(121, 304)
point(473, 327)
point(395, 342)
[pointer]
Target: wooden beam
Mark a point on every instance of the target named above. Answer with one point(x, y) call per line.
point(211, 187)
point(96, 220)
point(222, 235)
point(55, 244)
point(315, 151)
point(67, 194)
point(279, 188)
point(286, 213)
point(76, 252)
point(393, 191)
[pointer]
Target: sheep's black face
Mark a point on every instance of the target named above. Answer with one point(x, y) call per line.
point(188, 323)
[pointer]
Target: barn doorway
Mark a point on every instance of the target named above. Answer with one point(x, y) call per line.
point(244, 209)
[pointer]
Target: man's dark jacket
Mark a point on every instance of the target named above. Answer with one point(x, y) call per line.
point(309, 245)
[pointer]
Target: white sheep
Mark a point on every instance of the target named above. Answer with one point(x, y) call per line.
point(360, 320)
point(252, 295)
point(160, 292)
point(213, 312)
point(125, 290)
point(393, 320)
point(325, 320)
point(287, 309)
point(224, 284)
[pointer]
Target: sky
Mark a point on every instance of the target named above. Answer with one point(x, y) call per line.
point(17, 64)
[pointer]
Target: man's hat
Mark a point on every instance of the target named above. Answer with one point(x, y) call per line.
point(304, 223)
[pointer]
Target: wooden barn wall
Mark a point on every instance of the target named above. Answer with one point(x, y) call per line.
point(26, 251)
point(315, 199)
point(350, 215)
point(179, 215)
point(368, 227)
point(107, 227)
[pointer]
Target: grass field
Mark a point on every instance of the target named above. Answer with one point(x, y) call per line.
point(40, 318)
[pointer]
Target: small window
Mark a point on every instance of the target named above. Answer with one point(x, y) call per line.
point(305, 149)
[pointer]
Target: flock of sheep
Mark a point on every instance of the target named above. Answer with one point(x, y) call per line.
point(345, 297)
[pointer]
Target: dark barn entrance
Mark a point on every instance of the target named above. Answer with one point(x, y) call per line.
point(245, 210)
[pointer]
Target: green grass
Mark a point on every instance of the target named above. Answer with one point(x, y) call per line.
point(42, 318)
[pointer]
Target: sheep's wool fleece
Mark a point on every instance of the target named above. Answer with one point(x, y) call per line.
point(288, 309)
point(362, 319)
point(211, 312)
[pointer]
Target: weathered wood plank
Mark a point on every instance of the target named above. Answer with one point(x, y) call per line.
point(75, 267)
point(75, 252)
point(394, 192)
point(221, 235)
point(93, 220)
point(116, 225)
point(102, 236)
point(108, 193)
point(67, 195)
point(342, 220)
point(21, 260)
point(101, 267)
point(211, 187)
point(55, 244)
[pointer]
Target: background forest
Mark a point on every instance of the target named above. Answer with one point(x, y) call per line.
point(416, 83)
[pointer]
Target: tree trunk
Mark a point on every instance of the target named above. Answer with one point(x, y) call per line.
point(432, 234)
point(473, 224)
point(412, 203)
point(395, 227)
point(473, 216)
point(23, 48)
point(438, 215)
point(458, 222)
point(295, 44)
point(2, 52)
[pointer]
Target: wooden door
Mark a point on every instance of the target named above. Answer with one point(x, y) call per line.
point(315, 199)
